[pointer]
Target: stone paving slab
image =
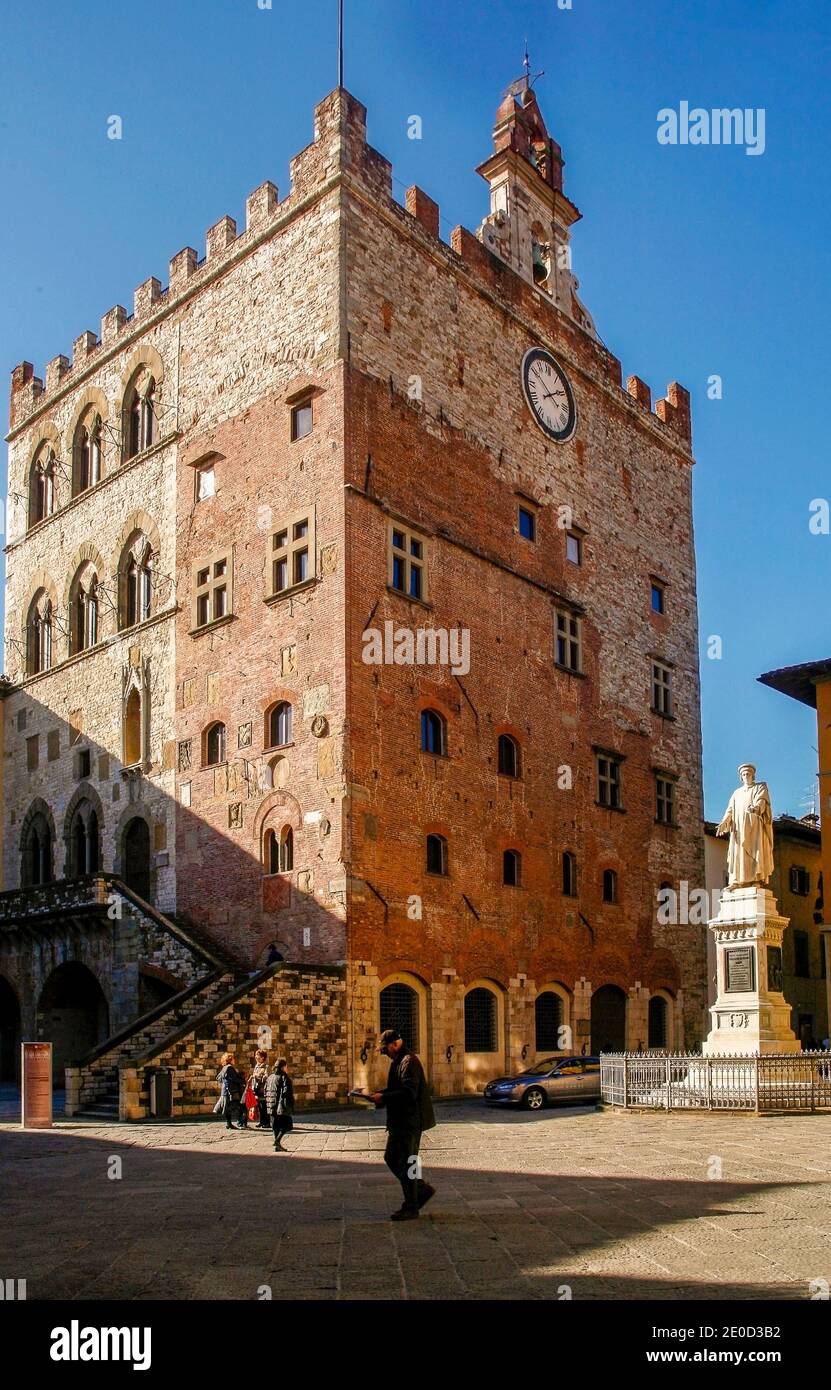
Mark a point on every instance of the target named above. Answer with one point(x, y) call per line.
point(570, 1202)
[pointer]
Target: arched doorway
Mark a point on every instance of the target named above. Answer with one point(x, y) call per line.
point(608, 1019)
point(136, 857)
point(72, 1015)
point(399, 1009)
point(9, 1033)
point(658, 1022)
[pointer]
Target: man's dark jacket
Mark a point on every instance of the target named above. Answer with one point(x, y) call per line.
point(407, 1097)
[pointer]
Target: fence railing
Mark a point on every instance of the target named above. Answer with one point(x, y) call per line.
point(687, 1081)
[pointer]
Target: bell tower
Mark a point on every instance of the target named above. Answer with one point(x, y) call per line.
point(530, 221)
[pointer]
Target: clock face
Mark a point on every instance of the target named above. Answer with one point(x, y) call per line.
point(548, 394)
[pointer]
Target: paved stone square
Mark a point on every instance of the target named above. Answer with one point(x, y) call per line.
point(569, 1202)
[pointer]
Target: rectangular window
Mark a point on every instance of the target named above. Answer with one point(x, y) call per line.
point(569, 641)
point(664, 799)
point(608, 780)
point(802, 954)
point(213, 590)
point(292, 552)
point(205, 482)
point(302, 420)
point(32, 752)
point(84, 763)
point(800, 880)
point(406, 569)
point(574, 548)
point(527, 524)
point(657, 596)
point(661, 688)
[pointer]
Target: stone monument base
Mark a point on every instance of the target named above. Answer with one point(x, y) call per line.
point(751, 1014)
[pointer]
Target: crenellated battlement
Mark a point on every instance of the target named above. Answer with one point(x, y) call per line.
point(339, 143)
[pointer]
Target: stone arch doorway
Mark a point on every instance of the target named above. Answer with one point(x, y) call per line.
point(73, 1015)
point(9, 1033)
point(136, 857)
point(608, 1019)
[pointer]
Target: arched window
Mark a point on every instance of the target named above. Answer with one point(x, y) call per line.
point(436, 854)
point(136, 576)
point(511, 868)
point(569, 874)
point(433, 733)
point(215, 745)
point(83, 615)
point(278, 725)
point(39, 634)
point(83, 841)
point(36, 865)
point(609, 886)
point(86, 454)
point(140, 414)
point(42, 485)
point(658, 1021)
point(508, 756)
point(399, 1010)
point(286, 849)
point(271, 853)
point(132, 729)
point(548, 1020)
point(481, 1023)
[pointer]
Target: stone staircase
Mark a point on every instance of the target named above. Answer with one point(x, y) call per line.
point(93, 1086)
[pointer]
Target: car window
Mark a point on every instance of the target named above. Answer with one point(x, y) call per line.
point(569, 1069)
point(591, 1066)
point(545, 1065)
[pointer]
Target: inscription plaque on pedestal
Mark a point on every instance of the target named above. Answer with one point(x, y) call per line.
point(738, 965)
point(36, 1085)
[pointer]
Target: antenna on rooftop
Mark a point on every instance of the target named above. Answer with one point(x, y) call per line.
point(524, 84)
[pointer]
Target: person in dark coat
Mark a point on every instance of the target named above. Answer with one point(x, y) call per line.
point(279, 1098)
point(409, 1112)
point(257, 1081)
point(231, 1084)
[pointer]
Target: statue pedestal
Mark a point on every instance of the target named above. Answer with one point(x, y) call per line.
point(751, 1014)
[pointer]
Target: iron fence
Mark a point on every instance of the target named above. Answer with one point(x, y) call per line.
point(687, 1081)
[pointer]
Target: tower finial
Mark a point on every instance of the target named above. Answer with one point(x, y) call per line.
point(523, 84)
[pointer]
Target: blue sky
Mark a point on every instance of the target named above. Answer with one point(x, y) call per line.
point(694, 260)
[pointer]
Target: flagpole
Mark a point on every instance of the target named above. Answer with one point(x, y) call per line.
point(340, 43)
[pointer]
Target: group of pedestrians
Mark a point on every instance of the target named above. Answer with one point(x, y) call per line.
point(265, 1099)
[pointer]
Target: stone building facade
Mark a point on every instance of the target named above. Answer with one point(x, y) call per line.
point(316, 432)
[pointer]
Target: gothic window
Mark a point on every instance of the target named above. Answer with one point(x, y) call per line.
point(433, 733)
point(83, 841)
point(279, 851)
point(83, 614)
point(511, 868)
point(436, 854)
point(42, 485)
point(508, 756)
point(39, 634)
point(215, 745)
point(86, 454)
point(140, 414)
point(136, 581)
point(279, 725)
point(36, 865)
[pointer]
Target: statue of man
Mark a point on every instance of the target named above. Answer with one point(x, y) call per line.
point(748, 821)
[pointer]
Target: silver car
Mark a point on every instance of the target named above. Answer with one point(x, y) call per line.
point(552, 1079)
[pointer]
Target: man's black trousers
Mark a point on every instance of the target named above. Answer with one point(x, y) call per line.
point(401, 1156)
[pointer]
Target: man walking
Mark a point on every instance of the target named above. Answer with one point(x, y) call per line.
point(409, 1112)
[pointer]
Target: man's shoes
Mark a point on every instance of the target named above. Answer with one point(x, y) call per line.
point(425, 1193)
point(405, 1214)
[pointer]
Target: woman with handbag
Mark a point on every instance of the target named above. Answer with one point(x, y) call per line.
point(230, 1090)
point(279, 1095)
point(257, 1108)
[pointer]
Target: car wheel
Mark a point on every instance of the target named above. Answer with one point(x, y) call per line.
point(534, 1098)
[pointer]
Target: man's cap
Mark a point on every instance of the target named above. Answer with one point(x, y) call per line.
point(389, 1035)
point(751, 767)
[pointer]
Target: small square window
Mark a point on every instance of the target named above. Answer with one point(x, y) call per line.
point(301, 420)
point(202, 577)
point(574, 548)
point(657, 591)
point(527, 524)
point(205, 482)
